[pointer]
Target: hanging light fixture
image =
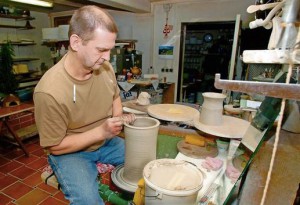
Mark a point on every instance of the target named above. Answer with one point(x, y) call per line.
point(35, 2)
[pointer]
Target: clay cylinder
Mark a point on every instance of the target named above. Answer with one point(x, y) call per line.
point(140, 147)
point(212, 109)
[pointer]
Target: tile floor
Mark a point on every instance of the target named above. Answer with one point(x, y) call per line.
point(20, 176)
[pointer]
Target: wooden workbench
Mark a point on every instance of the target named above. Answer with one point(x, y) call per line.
point(5, 112)
point(285, 177)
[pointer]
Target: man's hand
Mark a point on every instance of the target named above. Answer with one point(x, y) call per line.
point(113, 126)
point(128, 118)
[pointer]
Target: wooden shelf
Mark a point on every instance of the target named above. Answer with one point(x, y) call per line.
point(17, 27)
point(20, 44)
point(24, 59)
point(20, 18)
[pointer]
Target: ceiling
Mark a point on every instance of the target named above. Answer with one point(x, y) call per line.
point(135, 6)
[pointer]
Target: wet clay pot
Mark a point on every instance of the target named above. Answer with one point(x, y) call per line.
point(140, 147)
point(212, 109)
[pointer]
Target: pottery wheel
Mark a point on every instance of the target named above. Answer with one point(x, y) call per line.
point(173, 112)
point(133, 105)
point(195, 151)
point(231, 127)
point(119, 181)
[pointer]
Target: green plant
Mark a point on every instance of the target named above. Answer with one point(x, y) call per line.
point(8, 82)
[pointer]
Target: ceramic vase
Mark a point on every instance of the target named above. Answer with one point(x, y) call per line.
point(140, 147)
point(212, 109)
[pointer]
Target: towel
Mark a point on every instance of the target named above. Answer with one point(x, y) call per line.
point(213, 164)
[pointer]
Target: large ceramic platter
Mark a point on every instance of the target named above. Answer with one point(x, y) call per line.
point(173, 112)
point(231, 127)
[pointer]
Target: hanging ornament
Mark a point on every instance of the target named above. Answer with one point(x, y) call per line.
point(167, 27)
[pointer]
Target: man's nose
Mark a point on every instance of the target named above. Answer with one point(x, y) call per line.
point(106, 56)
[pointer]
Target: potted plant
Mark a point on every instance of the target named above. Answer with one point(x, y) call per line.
point(8, 82)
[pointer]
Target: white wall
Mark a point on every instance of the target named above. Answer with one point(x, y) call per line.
point(138, 27)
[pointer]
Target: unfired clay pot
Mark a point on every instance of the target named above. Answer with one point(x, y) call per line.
point(212, 109)
point(140, 147)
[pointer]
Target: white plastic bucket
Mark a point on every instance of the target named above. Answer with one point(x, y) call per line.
point(171, 181)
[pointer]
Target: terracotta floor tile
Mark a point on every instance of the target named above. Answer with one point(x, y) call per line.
point(1, 175)
point(33, 180)
point(34, 197)
point(39, 153)
point(3, 161)
point(14, 154)
point(48, 188)
point(22, 172)
point(4, 199)
point(60, 196)
point(7, 181)
point(10, 166)
point(32, 147)
point(37, 164)
point(52, 201)
point(17, 190)
point(26, 160)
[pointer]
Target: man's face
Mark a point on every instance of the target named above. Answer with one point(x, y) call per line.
point(97, 50)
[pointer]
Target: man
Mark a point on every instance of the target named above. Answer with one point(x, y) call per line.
point(78, 109)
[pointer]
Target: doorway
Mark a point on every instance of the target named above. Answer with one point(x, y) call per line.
point(205, 49)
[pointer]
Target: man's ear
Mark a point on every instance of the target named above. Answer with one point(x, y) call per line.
point(75, 42)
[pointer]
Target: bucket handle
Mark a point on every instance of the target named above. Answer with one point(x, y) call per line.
point(157, 196)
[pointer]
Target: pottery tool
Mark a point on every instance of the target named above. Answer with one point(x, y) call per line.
point(204, 200)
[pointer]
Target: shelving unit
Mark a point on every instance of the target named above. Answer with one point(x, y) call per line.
point(23, 59)
point(25, 80)
point(19, 18)
point(27, 26)
point(21, 43)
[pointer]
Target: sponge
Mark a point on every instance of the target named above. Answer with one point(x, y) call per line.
point(195, 140)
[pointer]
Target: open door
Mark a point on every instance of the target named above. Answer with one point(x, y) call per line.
point(206, 48)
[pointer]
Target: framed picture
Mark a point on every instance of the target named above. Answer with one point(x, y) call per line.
point(166, 52)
